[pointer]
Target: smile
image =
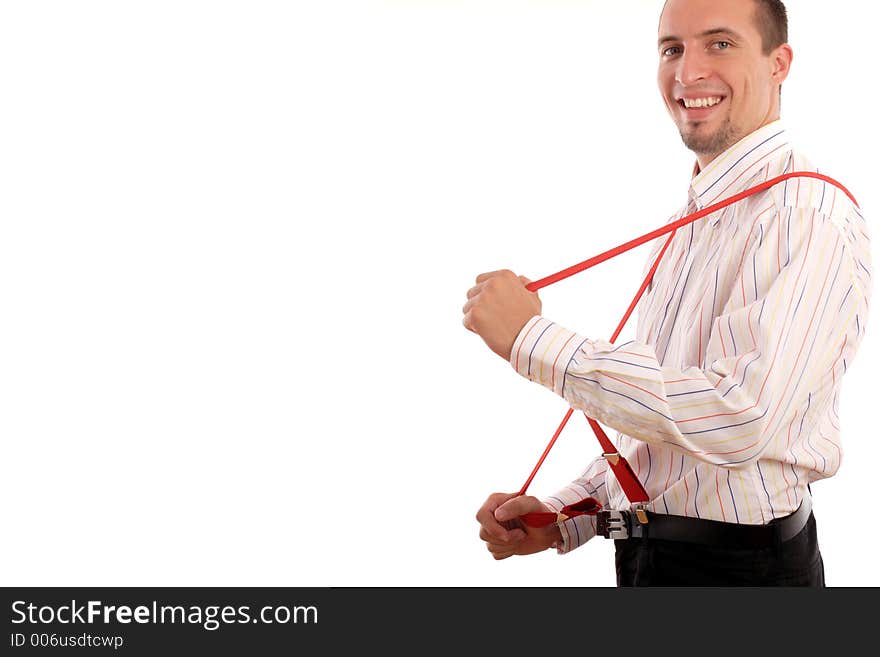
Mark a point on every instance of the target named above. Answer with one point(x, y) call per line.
point(698, 103)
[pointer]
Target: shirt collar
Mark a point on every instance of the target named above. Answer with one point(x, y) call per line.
point(728, 173)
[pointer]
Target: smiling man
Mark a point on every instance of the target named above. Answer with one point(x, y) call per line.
point(726, 401)
point(721, 83)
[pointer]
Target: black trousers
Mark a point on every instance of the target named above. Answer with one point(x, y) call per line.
point(652, 562)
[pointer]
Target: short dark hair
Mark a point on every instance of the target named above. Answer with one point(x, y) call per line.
point(771, 19)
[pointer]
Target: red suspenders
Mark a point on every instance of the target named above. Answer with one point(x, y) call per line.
point(627, 479)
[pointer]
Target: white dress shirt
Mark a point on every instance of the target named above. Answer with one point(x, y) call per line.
point(726, 402)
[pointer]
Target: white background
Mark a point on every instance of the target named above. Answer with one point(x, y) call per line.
point(235, 239)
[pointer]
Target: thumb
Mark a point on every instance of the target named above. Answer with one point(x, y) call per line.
point(525, 280)
point(518, 506)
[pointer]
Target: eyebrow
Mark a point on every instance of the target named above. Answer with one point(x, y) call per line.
point(715, 31)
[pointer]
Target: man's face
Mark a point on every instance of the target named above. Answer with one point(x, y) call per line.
point(715, 80)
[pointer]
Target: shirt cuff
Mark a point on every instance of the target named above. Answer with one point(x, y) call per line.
point(543, 351)
point(575, 531)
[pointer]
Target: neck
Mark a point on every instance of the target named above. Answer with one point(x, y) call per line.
point(704, 159)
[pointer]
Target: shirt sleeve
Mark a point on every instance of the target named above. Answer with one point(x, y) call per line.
point(797, 330)
point(580, 529)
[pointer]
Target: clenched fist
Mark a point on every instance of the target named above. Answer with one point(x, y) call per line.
point(505, 534)
point(498, 307)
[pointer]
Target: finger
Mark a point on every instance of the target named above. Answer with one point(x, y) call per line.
point(490, 539)
point(467, 306)
point(492, 274)
point(490, 530)
point(526, 281)
point(518, 506)
point(514, 536)
point(494, 547)
point(486, 517)
point(498, 555)
point(504, 554)
point(467, 321)
point(474, 291)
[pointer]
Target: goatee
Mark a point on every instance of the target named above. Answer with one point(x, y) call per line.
point(710, 144)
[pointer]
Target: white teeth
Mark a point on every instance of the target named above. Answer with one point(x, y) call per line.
point(701, 102)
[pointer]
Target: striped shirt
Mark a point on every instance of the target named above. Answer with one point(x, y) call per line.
point(726, 403)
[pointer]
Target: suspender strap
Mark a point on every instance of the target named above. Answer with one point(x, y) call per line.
point(627, 479)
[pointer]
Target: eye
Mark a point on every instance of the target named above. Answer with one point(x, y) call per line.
point(722, 45)
point(671, 51)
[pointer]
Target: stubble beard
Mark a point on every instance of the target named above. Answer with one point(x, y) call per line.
point(710, 144)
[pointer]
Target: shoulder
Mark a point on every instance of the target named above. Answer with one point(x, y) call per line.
point(816, 190)
point(816, 199)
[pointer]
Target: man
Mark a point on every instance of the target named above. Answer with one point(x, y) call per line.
point(726, 401)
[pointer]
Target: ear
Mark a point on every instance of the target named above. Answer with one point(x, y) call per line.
point(781, 62)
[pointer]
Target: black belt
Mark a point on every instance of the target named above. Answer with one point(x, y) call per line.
point(645, 524)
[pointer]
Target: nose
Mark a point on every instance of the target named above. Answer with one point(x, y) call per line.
point(692, 67)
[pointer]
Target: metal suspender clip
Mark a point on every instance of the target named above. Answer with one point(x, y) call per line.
point(615, 524)
point(612, 523)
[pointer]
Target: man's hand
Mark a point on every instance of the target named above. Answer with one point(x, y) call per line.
point(498, 306)
point(505, 534)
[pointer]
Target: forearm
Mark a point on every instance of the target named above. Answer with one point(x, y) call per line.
point(718, 414)
point(769, 348)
